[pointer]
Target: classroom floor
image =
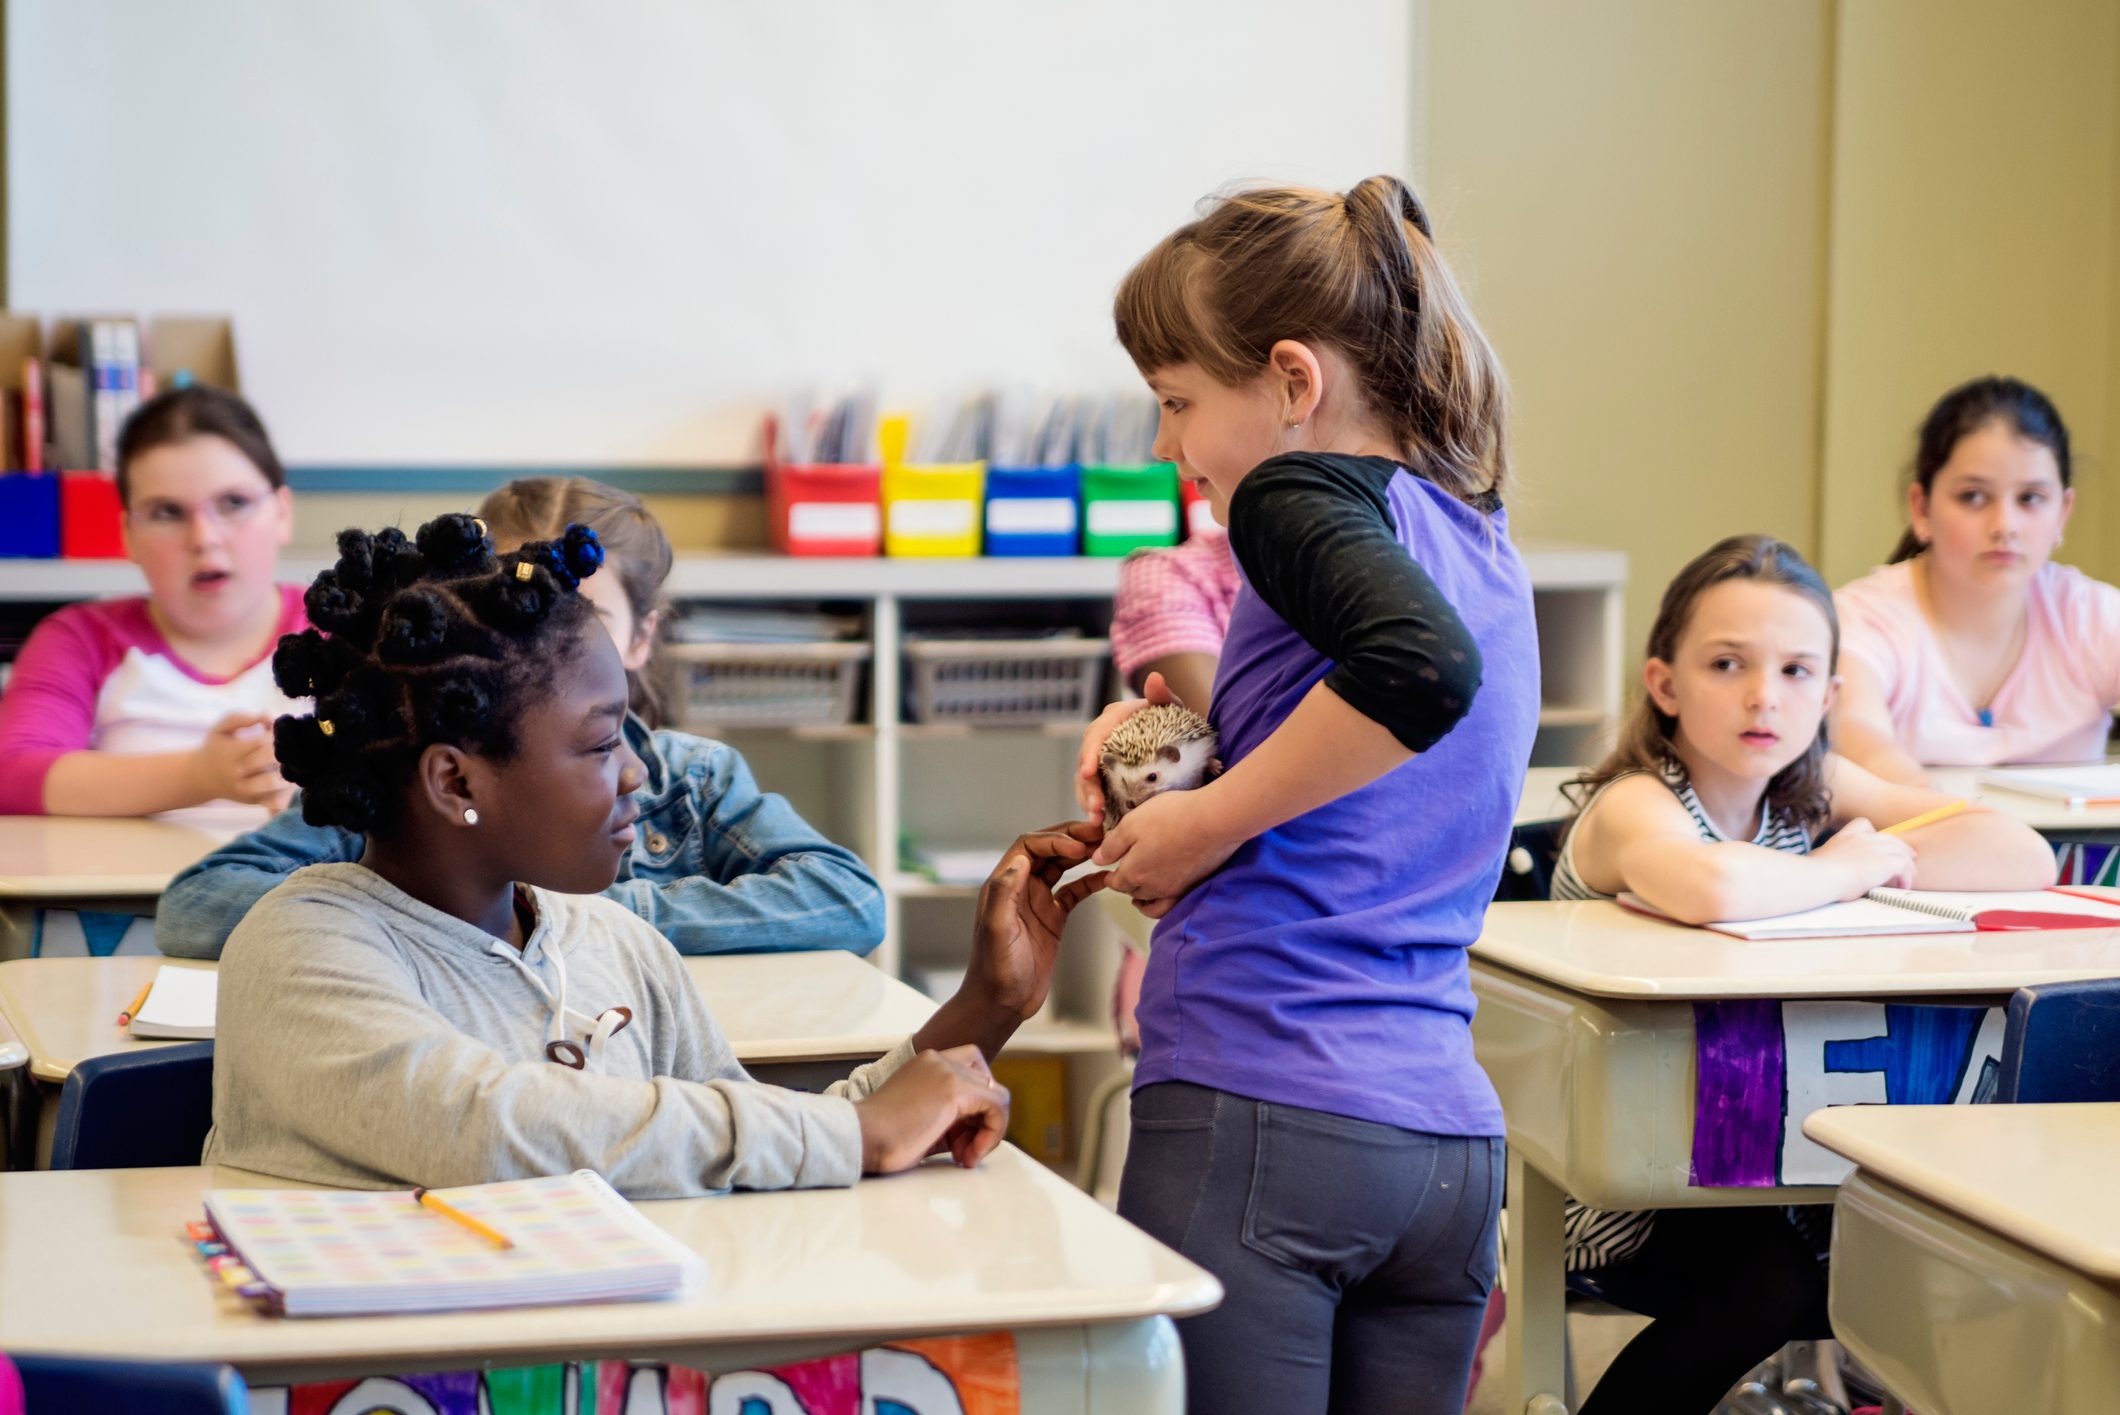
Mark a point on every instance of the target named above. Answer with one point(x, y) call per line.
point(1593, 1339)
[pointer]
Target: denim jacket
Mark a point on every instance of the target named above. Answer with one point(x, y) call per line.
point(717, 866)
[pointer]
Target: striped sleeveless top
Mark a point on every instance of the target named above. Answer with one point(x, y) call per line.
point(1597, 1238)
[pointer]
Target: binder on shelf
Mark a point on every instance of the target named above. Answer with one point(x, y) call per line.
point(1037, 1115)
point(1033, 510)
point(73, 382)
point(114, 384)
point(21, 347)
point(29, 515)
point(1125, 509)
point(98, 369)
point(822, 508)
point(90, 518)
point(929, 511)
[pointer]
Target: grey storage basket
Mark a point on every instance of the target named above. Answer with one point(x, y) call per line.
point(769, 685)
point(1004, 681)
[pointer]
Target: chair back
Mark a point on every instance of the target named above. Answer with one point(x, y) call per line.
point(136, 1109)
point(94, 1387)
point(2061, 1042)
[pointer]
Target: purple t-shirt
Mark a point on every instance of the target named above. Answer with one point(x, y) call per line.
point(1324, 965)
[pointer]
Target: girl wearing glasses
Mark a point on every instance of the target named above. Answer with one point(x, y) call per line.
point(163, 701)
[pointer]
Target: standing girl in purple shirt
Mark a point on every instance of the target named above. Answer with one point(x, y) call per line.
point(1308, 1120)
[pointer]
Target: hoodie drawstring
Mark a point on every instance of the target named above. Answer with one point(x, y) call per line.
point(558, 1047)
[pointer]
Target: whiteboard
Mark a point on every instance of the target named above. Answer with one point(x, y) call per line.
point(543, 232)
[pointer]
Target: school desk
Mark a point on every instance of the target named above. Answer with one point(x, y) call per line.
point(793, 1275)
point(1585, 1025)
point(2051, 818)
point(121, 865)
point(1976, 1254)
point(791, 1017)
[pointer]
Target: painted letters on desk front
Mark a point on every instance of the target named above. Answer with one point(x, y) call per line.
point(1763, 1066)
point(962, 1375)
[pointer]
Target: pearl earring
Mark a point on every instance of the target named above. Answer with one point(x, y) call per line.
point(470, 815)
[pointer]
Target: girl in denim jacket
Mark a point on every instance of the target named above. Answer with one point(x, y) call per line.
point(717, 865)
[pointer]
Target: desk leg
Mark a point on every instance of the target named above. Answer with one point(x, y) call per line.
point(18, 1109)
point(1536, 1323)
point(18, 926)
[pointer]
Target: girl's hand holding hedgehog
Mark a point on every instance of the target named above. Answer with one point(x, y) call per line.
point(1138, 758)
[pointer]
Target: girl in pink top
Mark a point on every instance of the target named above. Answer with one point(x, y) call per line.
point(1972, 648)
point(137, 706)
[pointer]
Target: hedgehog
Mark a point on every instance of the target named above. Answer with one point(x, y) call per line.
point(1161, 748)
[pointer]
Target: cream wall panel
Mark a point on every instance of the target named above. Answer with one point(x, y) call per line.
point(1635, 195)
point(1972, 232)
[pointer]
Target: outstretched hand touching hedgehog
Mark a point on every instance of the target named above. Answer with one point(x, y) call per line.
point(1161, 747)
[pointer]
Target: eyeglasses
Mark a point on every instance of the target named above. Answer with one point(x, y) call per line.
point(171, 518)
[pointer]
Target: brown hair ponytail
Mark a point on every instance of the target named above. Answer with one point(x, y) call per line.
point(1359, 273)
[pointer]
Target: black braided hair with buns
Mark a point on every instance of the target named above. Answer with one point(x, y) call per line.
point(416, 642)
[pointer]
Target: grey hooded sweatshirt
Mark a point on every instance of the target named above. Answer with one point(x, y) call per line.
point(367, 1040)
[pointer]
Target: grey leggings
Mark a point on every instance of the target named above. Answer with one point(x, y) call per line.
point(1356, 1257)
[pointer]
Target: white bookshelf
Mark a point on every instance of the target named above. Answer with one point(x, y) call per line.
point(866, 783)
point(1578, 595)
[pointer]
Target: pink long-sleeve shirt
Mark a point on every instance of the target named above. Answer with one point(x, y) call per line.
point(100, 677)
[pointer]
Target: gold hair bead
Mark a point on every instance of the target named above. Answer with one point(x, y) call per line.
point(524, 570)
point(480, 524)
point(326, 726)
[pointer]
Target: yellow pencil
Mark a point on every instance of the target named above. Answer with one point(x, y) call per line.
point(125, 1017)
point(1929, 818)
point(492, 1235)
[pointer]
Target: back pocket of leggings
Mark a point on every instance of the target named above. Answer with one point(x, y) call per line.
point(1331, 1194)
point(1484, 1255)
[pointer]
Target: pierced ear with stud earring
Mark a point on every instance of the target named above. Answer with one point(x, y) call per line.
point(470, 815)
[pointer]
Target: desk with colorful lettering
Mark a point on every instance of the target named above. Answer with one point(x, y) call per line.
point(790, 1276)
point(1586, 1025)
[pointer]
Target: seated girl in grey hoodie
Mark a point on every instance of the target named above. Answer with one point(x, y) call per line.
point(461, 1005)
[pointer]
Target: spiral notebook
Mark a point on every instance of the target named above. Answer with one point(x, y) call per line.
point(327, 1253)
point(1922, 911)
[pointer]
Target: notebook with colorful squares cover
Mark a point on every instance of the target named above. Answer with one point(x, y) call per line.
point(325, 1252)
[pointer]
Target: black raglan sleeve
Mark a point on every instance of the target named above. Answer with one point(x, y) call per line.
point(1314, 536)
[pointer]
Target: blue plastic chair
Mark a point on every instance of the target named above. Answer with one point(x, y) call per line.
point(2061, 1042)
point(136, 1109)
point(81, 1387)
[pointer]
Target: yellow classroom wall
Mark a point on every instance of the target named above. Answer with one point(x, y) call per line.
point(1972, 232)
point(1634, 193)
point(1732, 252)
